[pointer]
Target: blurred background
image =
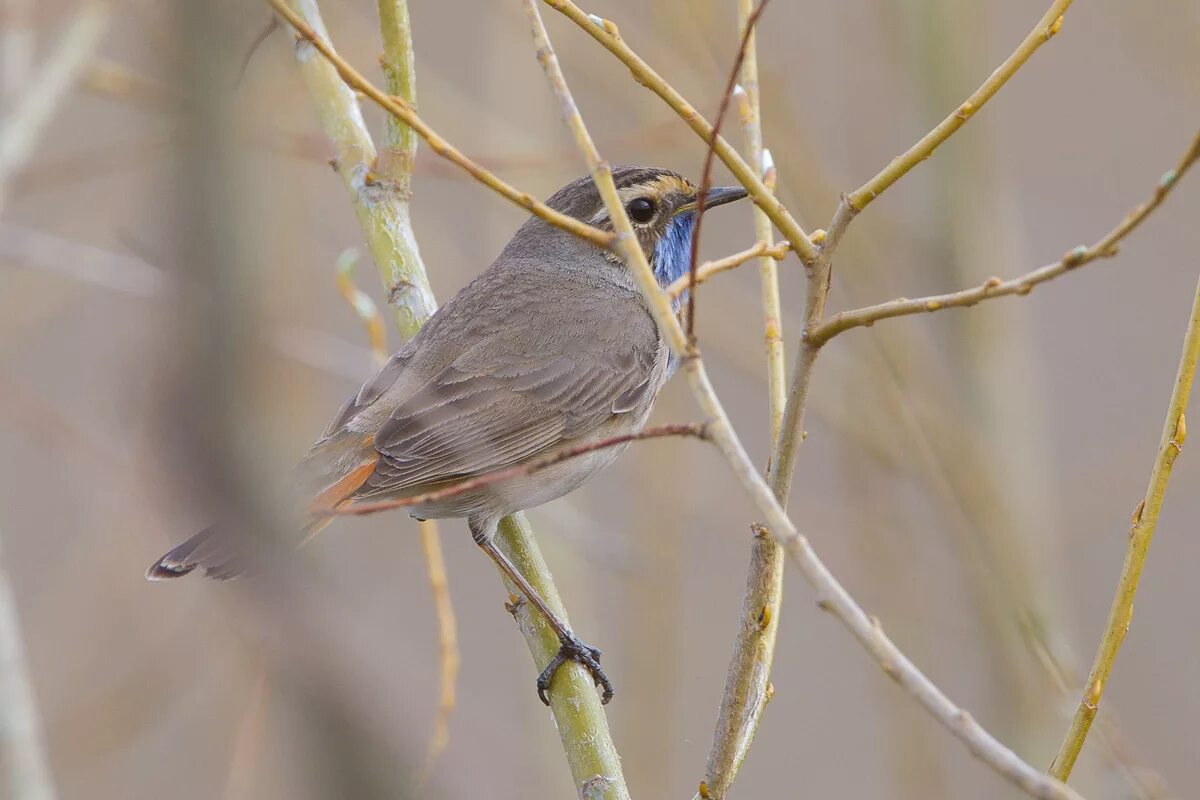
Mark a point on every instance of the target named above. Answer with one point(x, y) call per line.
point(969, 475)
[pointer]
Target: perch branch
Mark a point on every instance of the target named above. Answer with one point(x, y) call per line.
point(832, 597)
point(1105, 247)
point(1145, 520)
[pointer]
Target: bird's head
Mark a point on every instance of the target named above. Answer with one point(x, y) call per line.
point(661, 205)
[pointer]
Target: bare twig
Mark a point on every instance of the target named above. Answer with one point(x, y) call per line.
point(831, 596)
point(706, 171)
point(401, 110)
point(1105, 247)
point(528, 468)
point(606, 34)
point(1145, 520)
point(857, 200)
point(710, 269)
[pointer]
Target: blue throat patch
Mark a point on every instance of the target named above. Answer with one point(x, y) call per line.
point(673, 253)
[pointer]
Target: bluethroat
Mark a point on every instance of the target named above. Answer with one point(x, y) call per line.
point(551, 346)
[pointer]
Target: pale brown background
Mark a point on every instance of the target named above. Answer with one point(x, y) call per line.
point(1054, 401)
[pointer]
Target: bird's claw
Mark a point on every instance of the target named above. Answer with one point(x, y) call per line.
point(572, 649)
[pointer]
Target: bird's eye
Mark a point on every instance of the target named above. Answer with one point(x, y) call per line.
point(640, 210)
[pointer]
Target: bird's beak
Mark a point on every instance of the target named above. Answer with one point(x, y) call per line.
point(717, 196)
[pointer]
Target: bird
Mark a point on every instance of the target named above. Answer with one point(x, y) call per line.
point(551, 346)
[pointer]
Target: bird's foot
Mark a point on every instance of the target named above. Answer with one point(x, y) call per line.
point(572, 649)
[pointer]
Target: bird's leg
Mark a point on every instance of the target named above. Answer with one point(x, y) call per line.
point(571, 648)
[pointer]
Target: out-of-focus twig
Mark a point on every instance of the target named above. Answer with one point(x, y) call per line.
point(247, 741)
point(1105, 247)
point(17, 44)
point(709, 269)
point(362, 304)
point(21, 747)
point(448, 656)
point(22, 125)
point(1145, 520)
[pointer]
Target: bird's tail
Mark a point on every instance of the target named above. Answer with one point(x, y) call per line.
point(222, 554)
point(218, 554)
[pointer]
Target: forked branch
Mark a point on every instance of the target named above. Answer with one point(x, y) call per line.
point(1105, 247)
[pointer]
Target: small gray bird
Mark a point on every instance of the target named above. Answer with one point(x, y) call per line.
point(551, 346)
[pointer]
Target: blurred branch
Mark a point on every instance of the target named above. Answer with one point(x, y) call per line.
point(606, 34)
point(448, 657)
point(832, 596)
point(398, 108)
point(747, 684)
point(21, 748)
point(362, 304)
point(709, 269)
point(1145, 520)
point(1106, 247)
point(17, 45)
point(21, 129)
point(857, 200)
point(530, 467)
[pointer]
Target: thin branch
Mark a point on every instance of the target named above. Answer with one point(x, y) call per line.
point(401, 110)
point(748, 681)
point(831, 596)
point(710, 269)
point(528, 468)
point(362, 305)
point(448, 655)
point(706, 172)
point(1105, 247)
point(606, 34)
point(857, 200)
point(1145, 520)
